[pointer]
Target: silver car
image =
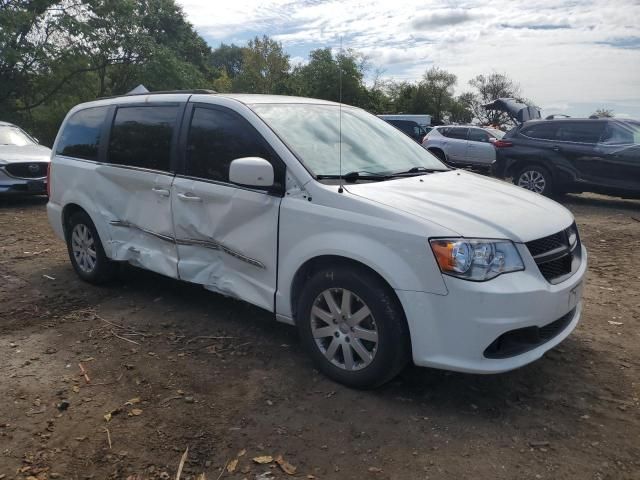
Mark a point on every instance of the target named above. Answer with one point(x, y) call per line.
point(23, 163)
point(463, 145)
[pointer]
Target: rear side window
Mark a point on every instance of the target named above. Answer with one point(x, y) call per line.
point(216, 138)
point(456, 132)
point(477, 135)
point(544, 131)
point(81, 135)
point(580, 132)
point(142, 136)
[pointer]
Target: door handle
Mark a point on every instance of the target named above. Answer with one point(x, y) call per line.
point(555, 148)
point(189, 197)
point(161, 191)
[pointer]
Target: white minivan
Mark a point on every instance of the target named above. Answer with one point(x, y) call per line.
point(328, 217)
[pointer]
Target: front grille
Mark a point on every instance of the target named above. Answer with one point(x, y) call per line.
point(27, 169)
point(521, 340)
point(555, 258)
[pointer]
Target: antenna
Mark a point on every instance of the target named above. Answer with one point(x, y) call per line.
point(340, 188)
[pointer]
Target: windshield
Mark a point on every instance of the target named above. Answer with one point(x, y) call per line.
point(369, 144)
point(14, 136)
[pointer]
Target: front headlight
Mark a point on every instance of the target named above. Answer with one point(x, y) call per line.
point(476, 259)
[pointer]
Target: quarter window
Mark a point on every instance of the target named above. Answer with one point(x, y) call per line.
point(142, 136)
point(81, 135)
point(216, 138)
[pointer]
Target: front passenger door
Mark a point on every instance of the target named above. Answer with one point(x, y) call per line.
point(480, 150)
point(456, 144)
point(227, 235)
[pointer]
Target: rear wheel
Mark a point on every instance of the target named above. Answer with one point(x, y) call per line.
point(439, 154)
point(353, 327)
point(86, 252)
point(534, 178)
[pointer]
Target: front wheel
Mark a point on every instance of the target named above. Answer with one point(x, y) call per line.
point(353, 327)
point(534, 178)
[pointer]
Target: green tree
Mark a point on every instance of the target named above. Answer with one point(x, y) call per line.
point(265, 68)
point(603, 113)
point(228, 58)
point(437, 88)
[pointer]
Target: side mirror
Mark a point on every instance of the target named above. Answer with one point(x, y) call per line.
point(251, 172)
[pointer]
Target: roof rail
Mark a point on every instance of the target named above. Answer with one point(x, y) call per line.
point(552, 117)
point(197, 91)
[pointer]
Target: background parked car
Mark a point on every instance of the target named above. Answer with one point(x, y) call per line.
point(410, 128)
point(572, 155)
point(463, 145)
point(23, 163)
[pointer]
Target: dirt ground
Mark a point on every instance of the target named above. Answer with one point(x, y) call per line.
point(173, 366)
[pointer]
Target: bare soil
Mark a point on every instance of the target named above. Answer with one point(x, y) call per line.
point(174, 366)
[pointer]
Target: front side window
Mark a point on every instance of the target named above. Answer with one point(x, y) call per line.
point(81, 135)
point(216, 138)
point(10, 135)
point(621, 133)
point(142, 136)
point(318, 136)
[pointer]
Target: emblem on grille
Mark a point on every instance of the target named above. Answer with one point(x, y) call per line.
point(34, 168)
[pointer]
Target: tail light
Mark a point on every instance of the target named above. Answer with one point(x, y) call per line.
point(49, 179)
point(502, 143)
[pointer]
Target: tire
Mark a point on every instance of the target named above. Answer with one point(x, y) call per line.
point(439, 154)
point(534, 178)
point(86, 252)
point(362, 350)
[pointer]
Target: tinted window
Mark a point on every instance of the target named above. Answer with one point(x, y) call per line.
point(218, 137)
point(459, 133)
point(141, 136)
point(477, 135)
point(81, 135)
point(621, 133)
point(583, 132)
point(545, 131)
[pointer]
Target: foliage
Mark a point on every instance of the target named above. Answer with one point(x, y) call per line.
point(603, 113)
point(265, 67)
point(488, 88)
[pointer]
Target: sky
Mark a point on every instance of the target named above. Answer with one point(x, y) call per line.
point(569, 56)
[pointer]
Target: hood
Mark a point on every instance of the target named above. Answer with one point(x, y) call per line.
point(471, 205)
point(26, 153)
point(518, 112)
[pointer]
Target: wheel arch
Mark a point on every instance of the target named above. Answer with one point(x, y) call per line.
point(438, 149)
point(68, 211)
point(312, 265)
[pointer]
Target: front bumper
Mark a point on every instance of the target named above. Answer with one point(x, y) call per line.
point(21, 186)
point(453, 331)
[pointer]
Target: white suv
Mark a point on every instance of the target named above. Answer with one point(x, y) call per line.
point(463, 145)
point(375, 250)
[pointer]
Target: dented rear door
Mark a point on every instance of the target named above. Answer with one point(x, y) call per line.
point(226, 235)
point(135, 182)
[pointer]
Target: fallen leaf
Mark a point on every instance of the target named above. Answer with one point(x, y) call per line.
point(242, 452)
point(231, 466)
point(133, 401)
point(375, 469)
point(76, 389)
point(263, 459)
point(135, 412)
point(285, 466)
point(107, 417)
point(202, 476)
point(617, 324)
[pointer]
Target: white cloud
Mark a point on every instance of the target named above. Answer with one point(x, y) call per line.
point(560, 51)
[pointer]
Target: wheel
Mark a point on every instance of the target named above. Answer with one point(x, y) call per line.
point(86, 252)
point(534, 178)
point(353, 327)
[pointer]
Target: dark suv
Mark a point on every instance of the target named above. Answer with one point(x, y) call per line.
point(572, 155)
point(409, 128)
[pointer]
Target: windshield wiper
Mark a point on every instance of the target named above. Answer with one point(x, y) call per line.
point(354, 176)
point(416, 171)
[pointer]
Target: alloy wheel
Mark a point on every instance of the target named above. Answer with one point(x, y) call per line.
point(532, 180)
point(83, 248)
point(344, 329)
